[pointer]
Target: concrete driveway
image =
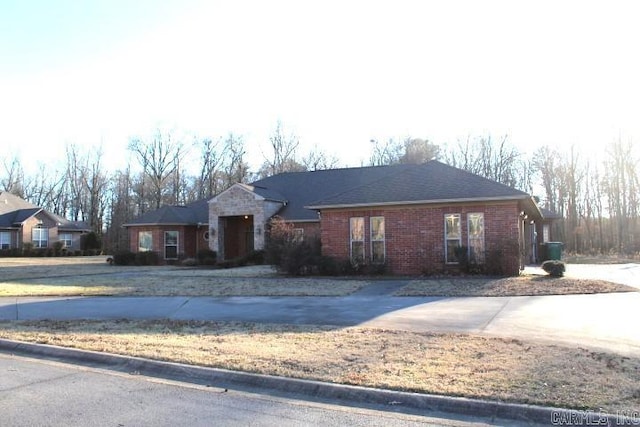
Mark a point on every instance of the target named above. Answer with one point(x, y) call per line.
point(601, 321)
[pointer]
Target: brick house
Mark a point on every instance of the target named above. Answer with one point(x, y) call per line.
point(412, 218)
point(23, 223)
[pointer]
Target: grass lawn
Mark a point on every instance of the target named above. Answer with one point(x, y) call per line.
point(449, 364)
point(510, 286)
point(92, 276)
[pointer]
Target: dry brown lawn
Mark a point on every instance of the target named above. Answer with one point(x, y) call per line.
point(449, 364)
point(92, 276)
point(510, 286)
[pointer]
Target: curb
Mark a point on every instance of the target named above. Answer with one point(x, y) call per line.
point(223, 378)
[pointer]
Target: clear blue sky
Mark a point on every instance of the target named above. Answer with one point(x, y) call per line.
point(336, 73)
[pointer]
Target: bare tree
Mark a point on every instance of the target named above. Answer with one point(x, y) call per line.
point(385, 153)
point(13, 180)
point(417, 151)
point(318, 159)
point(235, 167)
point(159, 159)
point(283, 154)
point(211, 157)
point(499, 161)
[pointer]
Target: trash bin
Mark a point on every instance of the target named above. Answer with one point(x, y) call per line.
point(554, 250)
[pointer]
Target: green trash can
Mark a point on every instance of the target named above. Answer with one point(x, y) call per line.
point(554, 250)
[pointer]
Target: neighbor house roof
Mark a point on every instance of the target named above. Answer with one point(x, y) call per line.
point(191, 214)
point(15, 210)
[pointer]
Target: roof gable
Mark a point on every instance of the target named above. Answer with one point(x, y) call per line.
point(10, 203)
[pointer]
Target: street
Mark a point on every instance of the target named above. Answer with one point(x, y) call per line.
point(44, 393)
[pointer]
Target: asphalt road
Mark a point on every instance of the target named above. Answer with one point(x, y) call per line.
point(36, 392)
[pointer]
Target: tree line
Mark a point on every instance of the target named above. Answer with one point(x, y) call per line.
point(597, 200)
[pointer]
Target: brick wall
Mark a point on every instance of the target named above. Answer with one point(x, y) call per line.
point(414, 236)
point(190, 239)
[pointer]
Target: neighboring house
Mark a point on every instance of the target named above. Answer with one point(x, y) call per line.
point(409, 217)
point(23, 223)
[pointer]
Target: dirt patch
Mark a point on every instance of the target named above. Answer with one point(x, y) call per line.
point(449, 364)
point(510, 286)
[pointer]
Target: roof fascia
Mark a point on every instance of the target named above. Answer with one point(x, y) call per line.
point(418, 202)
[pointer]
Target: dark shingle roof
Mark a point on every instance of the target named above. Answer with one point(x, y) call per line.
point(14, 211)
point(302, 192)
point(549, 214)
point(190, 214)
point(379, 185)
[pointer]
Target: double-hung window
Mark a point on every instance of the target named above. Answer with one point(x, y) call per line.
point(452, 237)
point(475, 224)
point(66, 239)
point(40, 237)
point(377, 239)
point(5, 239)
point(145, 241)
point(356, 227)
point(171, 244)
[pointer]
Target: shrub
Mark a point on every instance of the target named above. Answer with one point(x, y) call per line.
point(206, 257)
point(124, 258)
point(147, 258)
point(189, 262)
point(554, 267)
point(27, 249)
point(90, 241)
point(57, 248)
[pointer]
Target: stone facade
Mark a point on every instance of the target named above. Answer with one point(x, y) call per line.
point(239, 201)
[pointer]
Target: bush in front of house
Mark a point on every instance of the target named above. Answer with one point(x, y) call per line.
point(206, 257)
point(147, 258)
point(124, 258)
point(91, 241)
point(554, 268)
point(290, 254)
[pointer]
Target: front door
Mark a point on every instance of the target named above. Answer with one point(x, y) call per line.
point(238, 236)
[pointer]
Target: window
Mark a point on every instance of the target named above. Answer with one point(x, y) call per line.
point(40, 237)
point(145, 241)
point(546, 232)
point(171, 245)
point(377, 239)
point(66, 239)
point(452, 237)
point(475, 224)
point(298, 235)
point(357, 239)
point(5, 239)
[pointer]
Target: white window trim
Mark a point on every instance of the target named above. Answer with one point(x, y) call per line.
point(140, 248)
point(40, 229)
point(8, 234)
point(177, 245)
point(64, 241)
point(469, 235)
point(446, 240)
point(351, 241)
point(383, 240)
